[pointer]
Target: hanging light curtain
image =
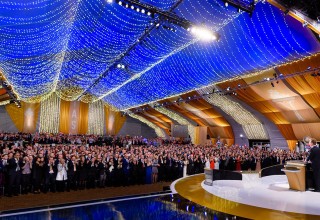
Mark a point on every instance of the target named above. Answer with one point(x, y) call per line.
point(96, 118)
point(50, 115)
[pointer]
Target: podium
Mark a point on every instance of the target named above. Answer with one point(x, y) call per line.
point(208, 173)
point(295, 171)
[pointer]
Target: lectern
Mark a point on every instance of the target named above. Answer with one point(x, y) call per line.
point(208, 173)
point(295, 171)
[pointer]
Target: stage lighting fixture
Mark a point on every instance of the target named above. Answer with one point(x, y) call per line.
point(241, 5)
point(132, 7)
point(305, 24)
point(203, 34)
point(127, 6)
point(109, 1)
point(138, 9)
point(149, 13)
point(143, 11)
point(286, 11)
point(120, 2)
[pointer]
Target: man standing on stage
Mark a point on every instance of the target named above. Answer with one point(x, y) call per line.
point(314, 157)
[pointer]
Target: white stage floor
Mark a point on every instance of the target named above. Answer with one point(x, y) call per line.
point(271, 192)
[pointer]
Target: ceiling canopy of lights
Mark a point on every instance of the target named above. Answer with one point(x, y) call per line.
point(129, 53)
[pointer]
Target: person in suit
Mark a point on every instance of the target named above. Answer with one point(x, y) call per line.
point(72, 173)
point(314, 157)
point(50, 175)
point(14, 171)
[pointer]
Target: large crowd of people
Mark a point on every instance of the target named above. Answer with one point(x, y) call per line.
point(34, 163)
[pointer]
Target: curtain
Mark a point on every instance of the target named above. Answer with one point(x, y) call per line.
point(17, 115)
point(64, 117)
point(31, 113)
point(25, 118)
point(50, 114)
point(119, 122)
point(200, 135)
point(114, 121)
point(83, 118)
point(276, 117)
point(302, 130)
point(292, 144)
point(96, 118)
point(313, 99)
point(287, 131)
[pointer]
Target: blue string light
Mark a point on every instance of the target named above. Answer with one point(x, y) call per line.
point(63, 46)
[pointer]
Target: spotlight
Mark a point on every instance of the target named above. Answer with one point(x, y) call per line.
point(149, 13)
point(143, 11)
point(158, 24)
point(203, 34)
point(305, 24)
point(119, 65)
point(286, 12)
point(123, 66)
point(132, 7)
point(138, 9)
point(127, 6)
point(228, 89)
point(239, 10)
point(226, 4)
point(109, 1)
point(120, 2)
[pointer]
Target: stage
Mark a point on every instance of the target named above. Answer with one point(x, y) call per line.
point(253, 197)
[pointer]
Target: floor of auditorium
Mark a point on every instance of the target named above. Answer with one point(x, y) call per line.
point(192, 189)
point(49, 199)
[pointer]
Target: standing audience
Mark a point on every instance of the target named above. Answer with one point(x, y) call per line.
point(46, 162)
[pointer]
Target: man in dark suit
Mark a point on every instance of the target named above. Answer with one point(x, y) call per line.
point(14, 171)
point(314, 157)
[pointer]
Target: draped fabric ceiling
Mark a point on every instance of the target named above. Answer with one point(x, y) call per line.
point(74, 48)
point(292, 103)
point(203, 114)
point(157, 118)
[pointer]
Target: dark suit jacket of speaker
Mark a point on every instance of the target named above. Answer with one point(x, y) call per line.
point(314, 157)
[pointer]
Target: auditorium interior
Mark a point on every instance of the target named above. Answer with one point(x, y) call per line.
point(171, 109)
